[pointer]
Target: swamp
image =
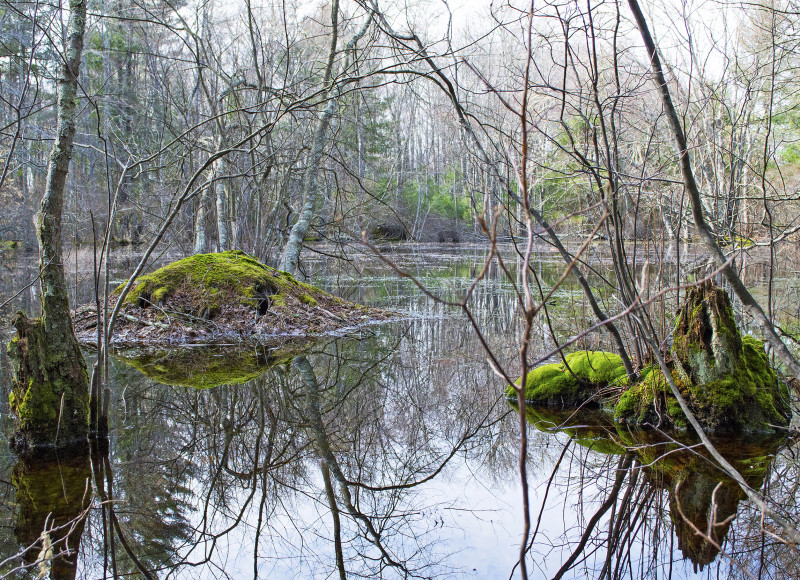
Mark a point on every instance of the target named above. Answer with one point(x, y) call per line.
point(386, 450)
point(374, 289)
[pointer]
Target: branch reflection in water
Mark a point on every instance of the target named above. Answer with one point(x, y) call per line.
point(654, 488)
point(388, 454)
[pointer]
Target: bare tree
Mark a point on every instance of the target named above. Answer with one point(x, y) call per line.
point(51, 388)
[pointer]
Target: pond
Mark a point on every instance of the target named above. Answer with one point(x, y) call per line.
point(389, 451)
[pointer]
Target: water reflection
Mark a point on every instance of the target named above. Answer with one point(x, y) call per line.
point(52, 497)
point(311, 468)
point(702, 501)
point(392, 453)
point(209, 366)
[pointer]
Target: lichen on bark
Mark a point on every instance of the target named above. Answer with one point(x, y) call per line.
point(706, 341)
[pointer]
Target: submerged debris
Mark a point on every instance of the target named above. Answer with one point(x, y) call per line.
point(225, 297)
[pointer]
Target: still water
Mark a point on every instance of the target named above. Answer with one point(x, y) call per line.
point(387, 452)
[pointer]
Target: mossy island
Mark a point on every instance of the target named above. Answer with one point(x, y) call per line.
point(222, 298)
point(725, 378)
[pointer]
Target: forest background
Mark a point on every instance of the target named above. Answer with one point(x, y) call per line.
point(247, 112)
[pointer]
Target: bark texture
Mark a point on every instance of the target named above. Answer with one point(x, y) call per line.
point(50, 394)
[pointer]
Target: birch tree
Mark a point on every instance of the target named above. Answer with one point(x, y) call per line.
point(332, 88)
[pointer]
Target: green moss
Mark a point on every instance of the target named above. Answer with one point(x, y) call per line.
point(725, 378)
point(203, 284)
point(589, 371)
point(737, 240)
point(308, 299)
point(650, 401)
point(706, 340)
point(50, 389)
point(749, 400)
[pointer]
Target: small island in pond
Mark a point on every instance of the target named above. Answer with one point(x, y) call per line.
point(224, 297)
point(725, 378)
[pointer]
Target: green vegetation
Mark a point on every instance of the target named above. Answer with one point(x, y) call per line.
point(573, 383)
point(214, 298)
point(706, 340)
point(649, 401)
point(203, 368)
point(749, 399)
point(49, 397)
point(736, 240)
point(725, 378)
point(202, 284)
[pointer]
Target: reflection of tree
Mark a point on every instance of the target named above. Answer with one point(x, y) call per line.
point(702, 509)
point(357, 429)
point(667, 486)
point(53, 494)
point(142, 487)
point(330, 465)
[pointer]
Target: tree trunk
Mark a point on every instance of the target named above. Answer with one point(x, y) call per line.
point(200, 241)
point(290, 257)
point(221, 189)
point(704, 230)
point(50, 393)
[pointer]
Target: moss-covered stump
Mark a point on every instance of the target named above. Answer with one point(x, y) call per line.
point(725, 378)
point(206, 367)
point(585, 377)
point(225, 297)
point(706, 343)
point(50, 391)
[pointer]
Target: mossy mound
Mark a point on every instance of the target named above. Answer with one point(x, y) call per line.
point(202, 368)
point(583, 378)
point(226, 297)
point(649, 401)
point(750, 399)
point(726, 379)
point(202, 285)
